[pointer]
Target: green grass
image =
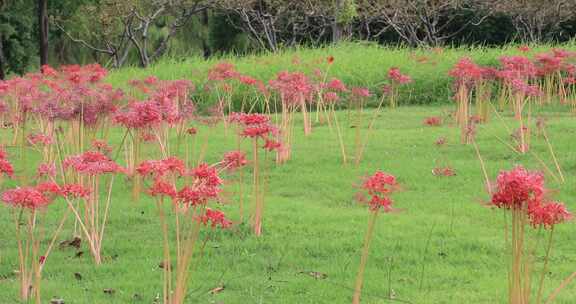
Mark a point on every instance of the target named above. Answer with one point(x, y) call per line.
point(312, 223)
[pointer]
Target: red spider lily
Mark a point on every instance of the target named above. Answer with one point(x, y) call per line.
point(222, 71)
point(259, 131)
point(380, 203)
point(548, 214)
point(380, 183)
point(440, 141)
point(475, 119)
point(445, 171)
point(524, 48)
point(398, 78)
point(330, 97)
point(162, 188)
point(361, 92)
point(336, 85)
point(330, 59)
point(147, 137)
point(189, 203)
point(49, 189)
point(466, 72)
point(30, 201)
point(41, 139)
point(234, 160)
point(25, 197)
point(207, 175)
point(197, 194)
point(102, 146)
point(378, 186)
point(92, 163)
point(522, 193)
point(159, 168)
point(517, 188)
point(272, 145)
point(293, 87)
point(548, 64)
point(255, 125)
point(517, 67)
point(191, 131)
point(75, 191)
point(215, 218)
point(247, 80)
point(433, 121)
point(6, 168)
point(520, 86)
point(249, 119)
point(140, 115)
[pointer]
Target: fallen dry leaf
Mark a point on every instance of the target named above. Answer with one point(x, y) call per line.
point(217, 289)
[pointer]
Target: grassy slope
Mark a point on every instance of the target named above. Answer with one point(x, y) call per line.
point(355, 64)
point(312, 224)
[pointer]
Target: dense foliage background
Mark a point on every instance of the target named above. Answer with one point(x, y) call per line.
point(139, 32)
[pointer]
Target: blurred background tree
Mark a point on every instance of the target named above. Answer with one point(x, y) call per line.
point(117, 33)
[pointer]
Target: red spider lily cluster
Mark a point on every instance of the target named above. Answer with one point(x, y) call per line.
point(258, 126)
point(65, 115)
point(379, 186)
point(70, 93)
point(519, 81)
point(92, 163)
point(201, 185)
point(26, 197)
point(523, 194)
point(234, 160)
point(6, 167)
point(434, 121)
point(255, 127)
point(215, 218)
point(398, 78)
point(523, 190)
point(205, 182)
point(26, 203)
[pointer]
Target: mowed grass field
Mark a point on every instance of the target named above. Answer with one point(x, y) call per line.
point(443, 246)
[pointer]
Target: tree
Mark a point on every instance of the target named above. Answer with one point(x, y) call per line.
point(421, 22)
point(117, 27)
point(275, 23)
point(17, 46)
point(43, 30)
point(344, 14)
point(535, 20)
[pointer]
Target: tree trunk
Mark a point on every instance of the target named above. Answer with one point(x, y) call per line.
point(43, 24)
point(336, 26)
point(2, 74)
point(336, 32)
point(204, 18)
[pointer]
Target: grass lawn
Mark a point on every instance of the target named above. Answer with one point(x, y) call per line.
point(443, 247)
